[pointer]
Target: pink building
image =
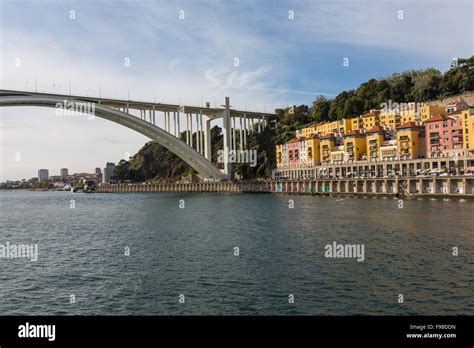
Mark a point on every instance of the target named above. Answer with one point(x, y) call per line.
point(293, 147)
point(444, 135)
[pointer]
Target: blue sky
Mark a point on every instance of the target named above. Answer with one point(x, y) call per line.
point(190, 60)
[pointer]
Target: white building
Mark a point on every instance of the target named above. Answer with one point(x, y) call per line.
point(43, 175)
point(108, 172)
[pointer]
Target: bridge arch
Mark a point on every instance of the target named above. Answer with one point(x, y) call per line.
point(202, 165)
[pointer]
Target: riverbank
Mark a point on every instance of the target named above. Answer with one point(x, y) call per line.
point(435, 187)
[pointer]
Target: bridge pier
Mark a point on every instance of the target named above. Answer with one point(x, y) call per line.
point(227, 144)
point(207, 138)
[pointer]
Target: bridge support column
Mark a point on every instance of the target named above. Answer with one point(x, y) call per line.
point(169, 121)
point(198, 134)
point(233, 134)
point(191, 143)
point(227, 144)
point(187, 129)
point(245, 130)
point(202, 132)
point(178, 115)
point(207, 138)
point(174, 121)
point(240, 134)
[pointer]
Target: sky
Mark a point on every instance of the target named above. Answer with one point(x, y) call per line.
point(185, 52)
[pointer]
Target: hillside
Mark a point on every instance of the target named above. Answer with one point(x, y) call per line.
point(154, 162)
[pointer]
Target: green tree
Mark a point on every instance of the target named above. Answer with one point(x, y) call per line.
point(320, 109)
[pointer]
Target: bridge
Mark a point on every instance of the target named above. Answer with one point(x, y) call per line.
point(143, 117)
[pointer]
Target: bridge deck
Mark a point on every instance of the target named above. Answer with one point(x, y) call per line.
point(142, 105)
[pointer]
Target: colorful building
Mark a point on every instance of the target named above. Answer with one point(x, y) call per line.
point(356, 124)
point(293, 147)
point(370, 119)
point(338, 154)
point(375, 140)
point(355, 145)
point(468, 129)
point(389, 120)
point(411, 141)
point(327, 143)
point(312, 150)
point(309, 131)
point(389, 150)
point(443, 135)
point(281, 156)
point(427, 111)
point(409, 131)
point(408, 112)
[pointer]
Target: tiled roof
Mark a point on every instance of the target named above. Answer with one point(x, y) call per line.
point(436, 118)
point(408, 125)
point(353, 132)
point(328, 136)
point(376, 129)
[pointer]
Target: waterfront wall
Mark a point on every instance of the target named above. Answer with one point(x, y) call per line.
point(433, 186)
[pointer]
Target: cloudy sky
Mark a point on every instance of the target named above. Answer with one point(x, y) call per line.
point(184, 52)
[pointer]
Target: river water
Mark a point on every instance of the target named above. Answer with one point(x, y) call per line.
point(185, 244)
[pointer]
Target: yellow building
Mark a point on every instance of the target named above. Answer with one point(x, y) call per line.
point(279, 155)
point(345, 125)
point(407, 118)
point(389, 120)
point(427, 111)
point(356, 124)
point(336, 127)
point(325, 128)
point(309, 131)
point(375, 140)
point(408, 112)
point(467, 117)
point(370, 119)
point(327, 144)
point(411, 141)
point(312, 150)
point(355, 145)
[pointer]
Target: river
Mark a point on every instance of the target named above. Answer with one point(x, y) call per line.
point(234, 254)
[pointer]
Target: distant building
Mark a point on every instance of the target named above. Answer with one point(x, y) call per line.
point(98, 172)
point(108, 172)
point(63, 172)
point(43, 175)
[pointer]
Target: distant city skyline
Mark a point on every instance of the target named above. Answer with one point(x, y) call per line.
point(261, 54)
